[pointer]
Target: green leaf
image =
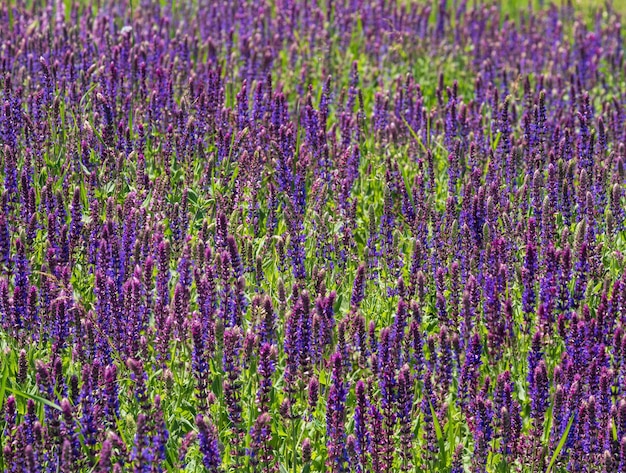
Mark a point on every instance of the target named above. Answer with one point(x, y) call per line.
point(494, 146)
point(34, 397)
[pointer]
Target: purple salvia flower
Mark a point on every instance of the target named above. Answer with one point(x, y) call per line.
point(335, 417)
point(267, 365)
point(539, 393)
point(529, 270)
point(313, 391)
point(622, 455)
point(482, 434)
point(106, 453)
point(142, 456)
point(10, 416)
point(231, 363)
point(200, 364)
point(290, 347)
point(324, 307)
point(90, 419)
point(405, 411)
point(68, 459)
point(361, 426)
point(184, 448)
point(68, 429)
point(260, 451)
point(457, 460)
point(235, 258)
point(306, 451)
point(160, 435)
point(304, 338)
point(535, 355)
point(428, 407)
point(10, 173)
point(558, 413)
point(387, 374)
point(582, 271)
point(470, 372)
point(5, 244)
point(21, 286)
point(376, 437)
point(444, 366)
point(112, 406)
point(76, 225)
point(242, 106)
point(268, 324)
point(358, 288)
point(180, 308)
point(139, 376)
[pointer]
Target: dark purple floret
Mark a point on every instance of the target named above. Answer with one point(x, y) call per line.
point(335, 417)
point(539, 393)
point(209, 447)
point(358, 289)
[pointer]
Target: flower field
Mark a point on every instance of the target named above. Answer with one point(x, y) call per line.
point(303, 236)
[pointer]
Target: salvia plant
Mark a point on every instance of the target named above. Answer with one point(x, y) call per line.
point(308, 236)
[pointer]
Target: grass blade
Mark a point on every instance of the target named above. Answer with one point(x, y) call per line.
point(439, 434)
point(34, 397)
point(560, 445)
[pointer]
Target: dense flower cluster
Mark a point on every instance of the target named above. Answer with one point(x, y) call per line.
point(287, 235)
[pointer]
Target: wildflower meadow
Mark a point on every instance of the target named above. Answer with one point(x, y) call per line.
point(302, 236)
